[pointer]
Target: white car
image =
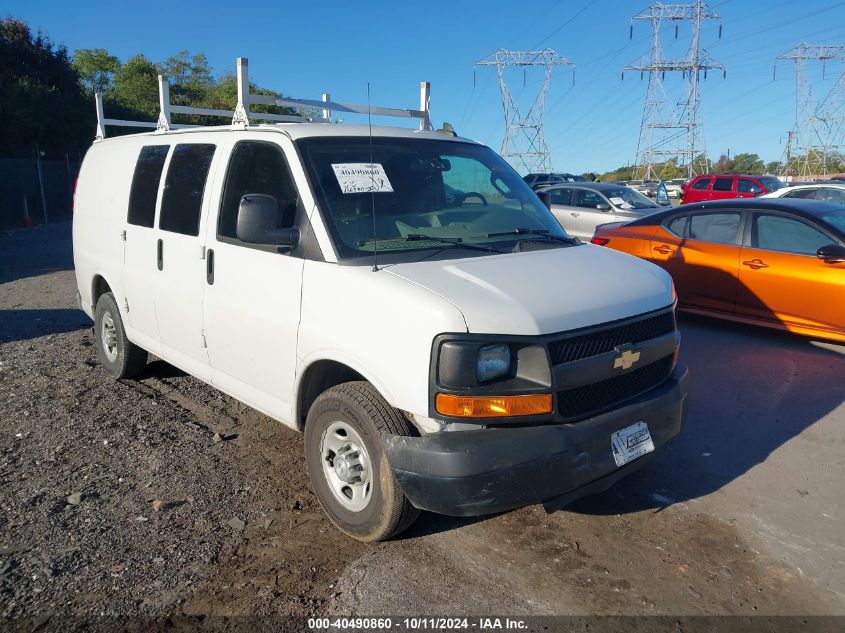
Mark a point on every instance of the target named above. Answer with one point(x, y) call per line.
point(400, 296)
point(675, 187)
point(827, 192)
point(581, 207)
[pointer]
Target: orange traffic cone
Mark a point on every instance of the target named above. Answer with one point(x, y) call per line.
point(27, 220)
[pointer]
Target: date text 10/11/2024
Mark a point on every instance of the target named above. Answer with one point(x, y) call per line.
point(415, 624)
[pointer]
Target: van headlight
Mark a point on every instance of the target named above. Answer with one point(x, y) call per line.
point(494, 361)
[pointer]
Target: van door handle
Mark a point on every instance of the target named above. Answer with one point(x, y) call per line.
point(160, 254)
point(209, 267)
point(664, 250)
point(574, 215)
point(755, 264)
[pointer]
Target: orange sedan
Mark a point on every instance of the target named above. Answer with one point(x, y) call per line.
point(773, 262)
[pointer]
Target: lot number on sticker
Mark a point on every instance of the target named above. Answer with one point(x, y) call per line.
point(631, 442)
point(361, 178)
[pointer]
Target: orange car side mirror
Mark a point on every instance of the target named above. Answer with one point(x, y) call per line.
point(831, 253)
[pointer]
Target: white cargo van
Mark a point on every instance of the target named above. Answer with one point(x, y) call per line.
point(400, 296)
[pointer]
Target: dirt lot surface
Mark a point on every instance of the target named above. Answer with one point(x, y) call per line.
point(162, 496)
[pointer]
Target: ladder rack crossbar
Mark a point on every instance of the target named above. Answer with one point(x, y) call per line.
point(241, 115)
point(349, 107)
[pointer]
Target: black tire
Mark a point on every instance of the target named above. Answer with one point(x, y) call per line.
point(359, 405)
point(127, 359)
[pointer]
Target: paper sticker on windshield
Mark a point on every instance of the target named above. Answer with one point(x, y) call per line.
point(618, 201)
point(361, 178)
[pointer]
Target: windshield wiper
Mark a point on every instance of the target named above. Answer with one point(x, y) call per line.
point(540, 232)
point(455, 241)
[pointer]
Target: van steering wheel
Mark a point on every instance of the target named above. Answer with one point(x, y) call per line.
point(474, 194)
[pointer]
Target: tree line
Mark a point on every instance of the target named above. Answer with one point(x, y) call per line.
point(47, 94)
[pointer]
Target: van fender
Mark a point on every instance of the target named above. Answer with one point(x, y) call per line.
point(344, 359)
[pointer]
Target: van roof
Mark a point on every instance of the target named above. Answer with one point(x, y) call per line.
point(296, 131)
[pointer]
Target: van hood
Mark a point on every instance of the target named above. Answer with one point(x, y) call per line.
point(543, 292)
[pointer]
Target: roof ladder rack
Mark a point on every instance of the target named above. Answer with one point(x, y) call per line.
point(241, 115)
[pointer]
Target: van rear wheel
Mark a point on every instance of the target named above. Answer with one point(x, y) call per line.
point(347, 465)
point(119, 356)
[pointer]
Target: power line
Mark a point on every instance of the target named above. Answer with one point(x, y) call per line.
point(569, 21)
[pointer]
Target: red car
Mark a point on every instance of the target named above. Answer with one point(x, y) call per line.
point(722, 186)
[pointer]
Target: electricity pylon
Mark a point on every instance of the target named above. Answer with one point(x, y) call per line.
point(524, 145)
point(673, 131)
point(817, 132)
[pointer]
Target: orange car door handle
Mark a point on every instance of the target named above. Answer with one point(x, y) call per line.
point(755, 264)
point(664, 250)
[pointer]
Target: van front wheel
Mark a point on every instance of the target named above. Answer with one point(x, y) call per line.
point(347, 465)
point(119, 356)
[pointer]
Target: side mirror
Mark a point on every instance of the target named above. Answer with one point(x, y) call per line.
point(603, 207)
point(831, 253)
point(546, 198)
point(661, 196)
point(258, 216)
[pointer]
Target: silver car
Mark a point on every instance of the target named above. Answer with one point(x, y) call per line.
point(580, 207)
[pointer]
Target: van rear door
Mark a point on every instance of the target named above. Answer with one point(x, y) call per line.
point(180, 274)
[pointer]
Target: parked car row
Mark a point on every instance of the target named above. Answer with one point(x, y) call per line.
point(766, 253)
point(581, 207)
point(538, 181)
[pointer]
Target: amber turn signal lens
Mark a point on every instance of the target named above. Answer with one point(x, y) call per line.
point(495, 407)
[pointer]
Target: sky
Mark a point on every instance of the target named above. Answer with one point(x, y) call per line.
point(592, 116)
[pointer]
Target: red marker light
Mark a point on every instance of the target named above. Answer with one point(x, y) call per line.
point(600, 241)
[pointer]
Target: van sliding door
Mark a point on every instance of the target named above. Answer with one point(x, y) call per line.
point(139, 251)
point(180, 268)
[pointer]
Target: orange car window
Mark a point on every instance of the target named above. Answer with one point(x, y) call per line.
point(719, 228)
point(786, 235)
point(677, 225)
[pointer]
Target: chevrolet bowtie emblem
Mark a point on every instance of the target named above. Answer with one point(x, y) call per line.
point(626, 358)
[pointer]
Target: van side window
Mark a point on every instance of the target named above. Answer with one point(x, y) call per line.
point(144, 191)
point(257, 167)
point(182, 201)
point(701, 184)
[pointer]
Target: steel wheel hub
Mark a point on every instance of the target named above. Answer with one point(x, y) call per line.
point(108, 335)
point(346, 466)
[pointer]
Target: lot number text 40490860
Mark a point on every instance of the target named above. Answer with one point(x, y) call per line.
point(420, 623)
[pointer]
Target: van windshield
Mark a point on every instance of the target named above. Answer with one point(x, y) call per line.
point(420, 189)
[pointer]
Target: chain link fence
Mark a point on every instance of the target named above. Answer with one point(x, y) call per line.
point(37, 189)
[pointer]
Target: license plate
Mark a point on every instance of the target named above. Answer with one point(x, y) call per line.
point(631, 442)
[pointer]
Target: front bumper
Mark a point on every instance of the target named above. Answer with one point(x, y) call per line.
point(470, 473)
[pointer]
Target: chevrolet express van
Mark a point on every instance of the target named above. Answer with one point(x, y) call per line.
point(401, 297)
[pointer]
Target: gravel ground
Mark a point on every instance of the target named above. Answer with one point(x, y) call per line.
point(148, 497)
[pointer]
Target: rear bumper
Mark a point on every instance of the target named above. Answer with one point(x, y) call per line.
point(470, 473)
